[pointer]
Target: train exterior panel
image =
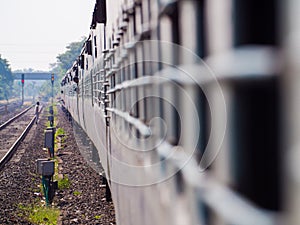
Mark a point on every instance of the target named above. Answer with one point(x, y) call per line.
point(183, 100)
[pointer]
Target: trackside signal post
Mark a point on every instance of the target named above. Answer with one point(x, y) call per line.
point(46, 167)
point(52, 83)
point(22, 81)
point(51, 120)
point(51, 129)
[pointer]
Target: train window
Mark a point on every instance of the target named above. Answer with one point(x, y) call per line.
point(95, 46)
point(96, 53)
point(101, 11)
point(256, 166)
point(258, 29)
point(89, 47)
point(95, 40)
point(255, 152)
point(82, 61)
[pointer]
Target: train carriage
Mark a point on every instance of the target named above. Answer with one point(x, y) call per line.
point(184, 101)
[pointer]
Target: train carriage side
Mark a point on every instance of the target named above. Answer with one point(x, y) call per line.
point(93, 104)
point(184, 109)
point(167, 21)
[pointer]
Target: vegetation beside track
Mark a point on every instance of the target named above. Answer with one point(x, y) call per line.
point(38, 214)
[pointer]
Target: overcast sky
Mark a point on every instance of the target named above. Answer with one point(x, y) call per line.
point(34, 32)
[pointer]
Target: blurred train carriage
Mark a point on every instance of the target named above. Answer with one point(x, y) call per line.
point(192, 106)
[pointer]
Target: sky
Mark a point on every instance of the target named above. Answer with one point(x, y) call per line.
point(34, 32)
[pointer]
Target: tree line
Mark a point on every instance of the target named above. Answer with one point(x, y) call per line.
point(6, 79)
point(10, 89)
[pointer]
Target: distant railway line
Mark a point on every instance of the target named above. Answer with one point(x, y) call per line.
point(9, 121)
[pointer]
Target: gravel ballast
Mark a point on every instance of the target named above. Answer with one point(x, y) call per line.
point(83, 202)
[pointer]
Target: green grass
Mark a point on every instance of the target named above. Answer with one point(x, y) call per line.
point(47, 124)
point(60, 131)
point(98, 217)
point(64, 183)
point(76, 193)
point(44, 215)
point(40, 214)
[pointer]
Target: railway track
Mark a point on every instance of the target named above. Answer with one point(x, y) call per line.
point(5, 124)
point(12, 132)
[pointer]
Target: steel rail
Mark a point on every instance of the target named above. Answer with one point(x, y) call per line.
point(14, 118)
point(16, 144)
